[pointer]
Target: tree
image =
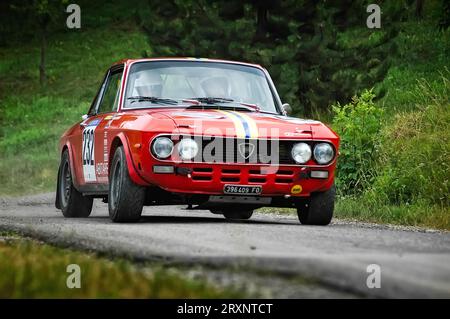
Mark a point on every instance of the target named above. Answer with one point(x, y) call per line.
point(41, 15)
point(296, 40)
point(444, 20)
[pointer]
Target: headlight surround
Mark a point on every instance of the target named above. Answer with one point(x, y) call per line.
point(162, 147)
point(301, 153)
point(323, 153)
point(187, 148)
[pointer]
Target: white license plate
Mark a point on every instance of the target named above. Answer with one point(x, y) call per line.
point(242, 189)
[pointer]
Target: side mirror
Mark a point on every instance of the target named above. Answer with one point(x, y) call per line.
point(84, 117)
point(286, 108)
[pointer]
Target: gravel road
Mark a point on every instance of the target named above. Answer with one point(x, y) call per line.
point(414, 263)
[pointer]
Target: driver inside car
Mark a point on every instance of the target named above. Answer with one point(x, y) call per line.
point(148, 84)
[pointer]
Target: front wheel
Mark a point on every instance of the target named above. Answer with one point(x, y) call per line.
point(234, 214)
point(319, 210)
point(71, 202)
point(125, 198)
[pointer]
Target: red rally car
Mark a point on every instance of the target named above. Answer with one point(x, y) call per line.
point(210, 134)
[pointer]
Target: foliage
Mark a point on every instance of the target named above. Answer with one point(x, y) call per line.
point(32, 119)
point(414, 154)
point(411, 174)
point(422, 55)
point(42, 14)
point(295, 40)
point(358, 124)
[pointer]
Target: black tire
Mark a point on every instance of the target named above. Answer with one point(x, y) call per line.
point(125, 198)
point(319, 210)
point(234, 214)
point(71, 202)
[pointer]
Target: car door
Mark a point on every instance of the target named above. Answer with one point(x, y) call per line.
point(94, 136)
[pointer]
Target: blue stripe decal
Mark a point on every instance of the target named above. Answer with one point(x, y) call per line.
point(245, 124)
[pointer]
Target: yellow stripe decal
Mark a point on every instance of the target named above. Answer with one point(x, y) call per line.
point(252, 125)
point(238, 126)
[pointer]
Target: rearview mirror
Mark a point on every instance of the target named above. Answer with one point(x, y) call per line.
point(287, 109)
point(84, 116)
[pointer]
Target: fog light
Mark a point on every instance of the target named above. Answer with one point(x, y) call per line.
point(319, 174)
point(161, 169)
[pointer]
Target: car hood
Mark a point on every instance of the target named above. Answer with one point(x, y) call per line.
point(245, 124)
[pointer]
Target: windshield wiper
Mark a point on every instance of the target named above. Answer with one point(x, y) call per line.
point(234, 107)
point(152, 99)
point(253, 106)
point(212, 100)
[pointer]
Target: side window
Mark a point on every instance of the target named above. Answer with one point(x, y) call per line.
point(110, 98)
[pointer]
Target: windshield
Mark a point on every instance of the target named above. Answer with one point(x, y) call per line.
point(164, 83)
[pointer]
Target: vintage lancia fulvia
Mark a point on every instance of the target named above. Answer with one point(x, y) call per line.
point(210, 134)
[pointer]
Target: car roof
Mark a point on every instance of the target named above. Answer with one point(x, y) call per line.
point(130, 61)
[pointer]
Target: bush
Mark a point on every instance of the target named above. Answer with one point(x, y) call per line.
point(414, 155)
point(358, 124)
point(409, 169)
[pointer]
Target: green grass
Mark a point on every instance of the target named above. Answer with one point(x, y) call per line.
point(355, 208)
point(422, 55)
point(431, 216)
point(31, 118)
point(30, 135)
point(30, 269)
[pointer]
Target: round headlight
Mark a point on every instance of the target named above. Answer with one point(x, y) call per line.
point(323, 153)
point(187, 148)
point(162, 147)
point(301, 153)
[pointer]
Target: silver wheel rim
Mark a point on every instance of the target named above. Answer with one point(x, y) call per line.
point(65, 184)
point(115, 185)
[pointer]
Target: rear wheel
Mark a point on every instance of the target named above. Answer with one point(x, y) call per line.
point(319, 210)
point(234, 214)
point(71, 201)
point(125, 198)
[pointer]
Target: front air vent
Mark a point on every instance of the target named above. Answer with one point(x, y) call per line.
point(201, 178)
point(230, 179)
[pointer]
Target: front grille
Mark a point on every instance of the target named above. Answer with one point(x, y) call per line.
point(255, 151)
point(243, 151)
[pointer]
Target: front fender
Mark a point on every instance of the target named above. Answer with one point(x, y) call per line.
point(132, 169)
point(66, 146)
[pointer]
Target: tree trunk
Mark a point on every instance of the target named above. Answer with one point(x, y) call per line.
point(419, 8)
point(261, 22)
point(42, 65)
